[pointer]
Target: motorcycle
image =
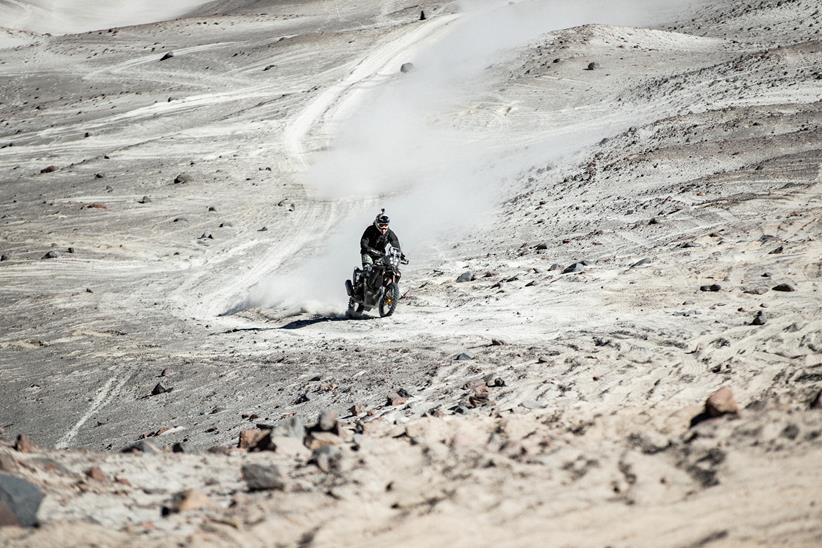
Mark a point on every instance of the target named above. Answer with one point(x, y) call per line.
point(377, 286)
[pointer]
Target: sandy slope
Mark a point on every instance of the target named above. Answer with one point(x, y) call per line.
point(689, 157)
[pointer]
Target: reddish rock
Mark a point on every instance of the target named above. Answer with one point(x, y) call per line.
point(395, 399)
point(96, 474)
point(357, 409)
point(186, 501)
point(255, 439)
point(721, 402)
point(316, 440)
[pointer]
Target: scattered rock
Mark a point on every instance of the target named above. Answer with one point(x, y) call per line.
point(24, 444)
point(53, 254)
point(182, 178)
point(144, 200)
point(97, 474)
point(592, 66)
point(641, 262)
point(269, 67)
point(315, 440)
point(186, 501)
point(255, 439)
point(166, 372)
point(407, 67)
point(327, 421)
point(357, 409)
point(4, 258)
point(19, 502)
point(422, 15)
point(178, 447)
point(167, 56)
point(259, 477)
point(777, 251)
point(160, 389)
point(816, 402)
point(479, 396)
point(498, 342)
point(466, 277)
point(555, 266)
point(302, 398)
point(712, 288)
point(759, 319)
point(327, 458)
point(141, 446)
point(719, 403)
point(541, 246)
point(576, 267)
point(395, 399)
point(463, 356)
point(653, 221)
point(784, 287)
point(49, 169)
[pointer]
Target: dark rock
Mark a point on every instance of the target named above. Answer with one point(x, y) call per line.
point(49, 169)
point(592, 66)
point(53, 254)
point(212, 208)
point(466, 277)
point(144, 200)
point(496, 382)
point(555, 266)
point(541, 247)
point(422, 15)
point(24, 444)
point(160, 389)
point(70, 250)
point(712, 288)
point(463, 356)
point(98, 175)
point(19, 502)
point(4, 258)
point(407, 67)
point(357, 409)
point(259, 477)
point(302, 398)
point(641, 262)
point(759, 319)
point(167, 56)
point(816, 402)
point(498, 342)
point(777, 251)
point(178, 447)
point(653, 221)
point(784, 287)
point(791, 431)
point(142, 446)
point(183, 178)
point(166, 372)
point(576, 267)
point(269, 67)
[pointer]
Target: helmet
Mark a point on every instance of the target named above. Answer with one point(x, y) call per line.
point(381, 219)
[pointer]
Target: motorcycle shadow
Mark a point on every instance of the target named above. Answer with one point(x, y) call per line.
point(299, 324)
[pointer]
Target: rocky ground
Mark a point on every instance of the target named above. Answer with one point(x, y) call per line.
point(545, 378)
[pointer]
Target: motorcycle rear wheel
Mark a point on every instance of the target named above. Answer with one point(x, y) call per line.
point(388, 303)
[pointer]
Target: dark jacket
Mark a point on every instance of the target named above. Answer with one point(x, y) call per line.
point(373, 241)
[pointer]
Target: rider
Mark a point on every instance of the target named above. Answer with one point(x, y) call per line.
point(375, 238)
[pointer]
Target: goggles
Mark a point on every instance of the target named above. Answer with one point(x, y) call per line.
point(382, 225)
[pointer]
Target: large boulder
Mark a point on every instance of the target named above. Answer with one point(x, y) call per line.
point(19, 502)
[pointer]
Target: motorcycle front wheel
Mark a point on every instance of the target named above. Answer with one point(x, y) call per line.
point(354, 310)
point(388, 303)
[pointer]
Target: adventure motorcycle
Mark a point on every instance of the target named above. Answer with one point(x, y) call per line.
point(376, 286)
